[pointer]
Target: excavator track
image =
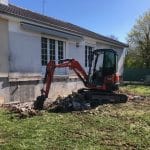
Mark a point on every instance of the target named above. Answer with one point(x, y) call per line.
point(103, 97)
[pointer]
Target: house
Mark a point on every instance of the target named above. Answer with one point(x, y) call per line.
point(28, 40)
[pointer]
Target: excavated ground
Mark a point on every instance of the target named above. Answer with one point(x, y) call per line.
point(74, 102)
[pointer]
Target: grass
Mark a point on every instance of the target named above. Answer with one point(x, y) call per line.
point(136, 89)
point(120, 126)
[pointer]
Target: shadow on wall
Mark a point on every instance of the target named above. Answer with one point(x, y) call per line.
point(22, 91)
point(4, 83)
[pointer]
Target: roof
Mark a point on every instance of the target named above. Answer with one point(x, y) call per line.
point(45, 20)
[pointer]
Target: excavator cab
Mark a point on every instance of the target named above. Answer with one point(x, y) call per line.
point(103, 66)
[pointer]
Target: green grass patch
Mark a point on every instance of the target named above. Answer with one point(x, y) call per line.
point(136, 89)
point(120, 126)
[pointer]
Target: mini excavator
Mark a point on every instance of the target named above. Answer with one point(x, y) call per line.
point(101, 81)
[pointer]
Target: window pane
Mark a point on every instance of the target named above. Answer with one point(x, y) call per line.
point(44, 51)
point(52, 49)
point(109, 60)
point(60, 50)
point(85, 56)
point(88, 52)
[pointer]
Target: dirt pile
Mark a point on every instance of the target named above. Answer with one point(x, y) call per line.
point(80, 102)
point(71, 103)
point(135, 97)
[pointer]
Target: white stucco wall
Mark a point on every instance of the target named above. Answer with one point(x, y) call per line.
point(25, 50)
point(121, 59)
point(76, 53)
point(4, 50)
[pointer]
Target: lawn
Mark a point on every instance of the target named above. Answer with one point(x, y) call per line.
point(136, 89)
point(119, 126)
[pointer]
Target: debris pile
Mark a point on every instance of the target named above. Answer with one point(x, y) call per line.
point(73, 102)
point(23, 110)
point(77, 102)
point(135, 97)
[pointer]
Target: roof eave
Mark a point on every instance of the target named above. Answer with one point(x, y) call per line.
point(97, 37)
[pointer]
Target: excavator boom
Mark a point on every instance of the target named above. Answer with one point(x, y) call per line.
point(71, 64)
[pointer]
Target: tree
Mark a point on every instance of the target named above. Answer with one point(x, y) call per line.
point(139, 43)
point(133, 60)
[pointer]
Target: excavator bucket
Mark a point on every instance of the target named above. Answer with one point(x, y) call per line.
point(38, 104)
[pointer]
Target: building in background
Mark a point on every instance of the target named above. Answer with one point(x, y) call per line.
point(28, 40)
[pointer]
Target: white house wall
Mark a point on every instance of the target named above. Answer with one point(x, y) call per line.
point(4, 52)
point(102, 45)
point(121, 59)
point(26, 46)
point(24, 50)
point(76, 53)
point(4, 61)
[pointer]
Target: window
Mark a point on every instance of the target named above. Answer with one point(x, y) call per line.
point(110, 60)
point(100, 60)
point(51, 50)
point(88, 52)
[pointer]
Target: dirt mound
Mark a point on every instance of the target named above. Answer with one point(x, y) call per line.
point(71, 103)
point(79, 102)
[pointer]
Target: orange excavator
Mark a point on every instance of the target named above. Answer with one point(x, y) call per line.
point(101, 81)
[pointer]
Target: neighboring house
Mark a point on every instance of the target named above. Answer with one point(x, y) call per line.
point(28, 40)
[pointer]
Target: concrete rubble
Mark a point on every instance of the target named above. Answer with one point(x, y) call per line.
point(23, 110)
point(73, 102)
point(135, 97)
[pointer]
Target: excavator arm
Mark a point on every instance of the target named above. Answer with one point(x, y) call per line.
point(49, 74)
point(71, 64)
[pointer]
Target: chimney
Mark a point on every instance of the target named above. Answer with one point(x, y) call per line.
point(4, 2)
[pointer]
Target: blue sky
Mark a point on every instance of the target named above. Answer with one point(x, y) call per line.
point(107, 17)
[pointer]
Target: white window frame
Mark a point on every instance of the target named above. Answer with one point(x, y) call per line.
point(86, 54)
point(56, 48)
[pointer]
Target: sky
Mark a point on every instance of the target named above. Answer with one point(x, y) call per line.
point(106, 17)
